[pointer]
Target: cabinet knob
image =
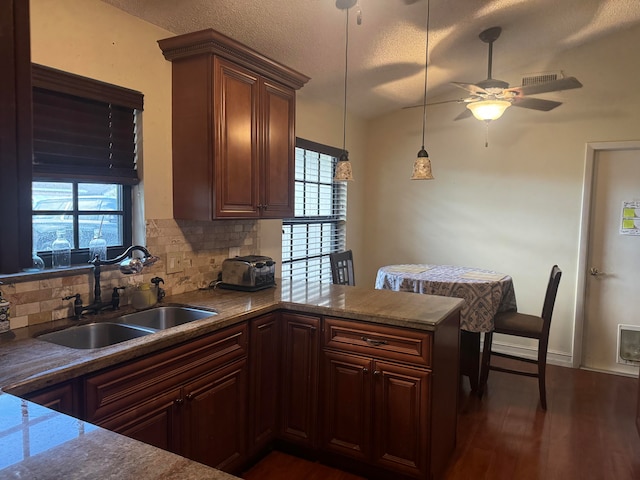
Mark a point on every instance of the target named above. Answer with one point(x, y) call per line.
point(376, 372)
point(365, 370)
point(190, 396)
point(178, 401)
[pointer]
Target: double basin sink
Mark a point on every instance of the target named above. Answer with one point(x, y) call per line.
point(125, 327)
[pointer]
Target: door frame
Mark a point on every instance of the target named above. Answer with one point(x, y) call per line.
point(591, 154)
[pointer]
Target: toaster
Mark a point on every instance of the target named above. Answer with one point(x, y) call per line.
point(248, 273)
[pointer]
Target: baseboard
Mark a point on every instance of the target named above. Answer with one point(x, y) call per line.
point(553, 358)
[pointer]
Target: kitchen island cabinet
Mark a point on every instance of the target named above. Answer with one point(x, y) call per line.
point(378, 395)
point(62, 397)
point(233, 113)
point(190, 399)
point(265, 382)
point(142, 387)
point(299, 408)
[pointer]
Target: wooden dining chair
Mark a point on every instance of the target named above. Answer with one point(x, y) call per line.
point(523, 325)
point(342, 268)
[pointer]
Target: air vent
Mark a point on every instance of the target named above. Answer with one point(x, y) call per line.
point(537, 78)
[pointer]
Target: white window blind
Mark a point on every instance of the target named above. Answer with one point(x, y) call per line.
point(319, 225)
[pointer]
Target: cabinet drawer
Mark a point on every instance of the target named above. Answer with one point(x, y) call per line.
point(124, 386)
point(379, 341)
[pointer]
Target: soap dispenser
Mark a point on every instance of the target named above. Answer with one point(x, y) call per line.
point(4, 313)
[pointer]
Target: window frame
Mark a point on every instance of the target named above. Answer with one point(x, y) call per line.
point(81, 255)
point(106, 169)
point(337, 220)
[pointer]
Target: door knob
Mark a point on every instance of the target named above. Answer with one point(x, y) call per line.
point(595, 272)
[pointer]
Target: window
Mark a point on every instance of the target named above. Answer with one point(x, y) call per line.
point(319, 225)
point(84, 162)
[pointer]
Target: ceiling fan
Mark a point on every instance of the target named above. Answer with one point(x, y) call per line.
point(491, 97)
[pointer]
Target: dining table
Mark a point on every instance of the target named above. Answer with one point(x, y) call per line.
point(485, 292)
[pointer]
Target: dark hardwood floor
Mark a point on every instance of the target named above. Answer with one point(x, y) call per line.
point(587, 433)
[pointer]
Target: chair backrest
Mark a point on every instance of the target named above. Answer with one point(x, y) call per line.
point(342, 268)
point(550, 297)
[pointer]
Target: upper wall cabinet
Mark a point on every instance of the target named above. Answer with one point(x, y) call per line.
point(233, 129)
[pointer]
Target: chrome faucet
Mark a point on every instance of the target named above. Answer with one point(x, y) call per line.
point(128, 266)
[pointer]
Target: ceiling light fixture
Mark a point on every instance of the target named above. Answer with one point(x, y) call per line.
point(422, 165)
point(488, 110)
point(343, 167)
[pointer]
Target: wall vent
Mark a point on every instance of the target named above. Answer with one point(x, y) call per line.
point(628, 344)
point(537, 78)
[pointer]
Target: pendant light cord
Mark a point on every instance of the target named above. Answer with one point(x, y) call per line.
point(346, 64)
point(426, 61)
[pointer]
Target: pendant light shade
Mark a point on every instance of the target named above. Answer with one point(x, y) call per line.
point(488, 109)
point(343, 171)
point(422, 165)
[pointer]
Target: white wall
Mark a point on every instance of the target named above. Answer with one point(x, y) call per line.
point(515, 206)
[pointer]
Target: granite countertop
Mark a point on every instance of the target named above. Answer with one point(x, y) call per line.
point(28, 364)
point(39, 443)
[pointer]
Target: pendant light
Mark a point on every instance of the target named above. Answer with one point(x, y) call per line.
point(422, 165)
point(343, 167)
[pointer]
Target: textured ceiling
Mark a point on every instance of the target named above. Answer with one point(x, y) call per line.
point(387, 51)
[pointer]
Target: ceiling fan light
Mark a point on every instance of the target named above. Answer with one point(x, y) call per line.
point(488, 109)
point(422, 167)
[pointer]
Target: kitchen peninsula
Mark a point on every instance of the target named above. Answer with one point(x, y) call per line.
point(398, 346)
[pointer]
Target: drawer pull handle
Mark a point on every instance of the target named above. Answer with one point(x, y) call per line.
point(375, 343)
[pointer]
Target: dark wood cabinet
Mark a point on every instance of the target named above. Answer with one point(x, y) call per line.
point(233, 116)
point(264, 388)
point(61, 397)
point(347, 404)
point(16, 150)
point(215, 417)
point(155, 421)
point(299, 404)
point(189, 399)
point(378, 396)
point(401, 418)
point(377, 399)
point(638, 409)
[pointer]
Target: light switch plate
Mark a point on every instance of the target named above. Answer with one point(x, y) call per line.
point(174, 262)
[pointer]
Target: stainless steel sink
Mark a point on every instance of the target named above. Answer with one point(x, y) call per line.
point(160, 318)
point(95, 335)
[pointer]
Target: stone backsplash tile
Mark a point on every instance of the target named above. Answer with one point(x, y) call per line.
point(203, 246)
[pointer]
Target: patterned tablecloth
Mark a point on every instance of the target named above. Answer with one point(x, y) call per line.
point(485, 292)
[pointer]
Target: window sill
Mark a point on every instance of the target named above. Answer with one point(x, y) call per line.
point(50, 273)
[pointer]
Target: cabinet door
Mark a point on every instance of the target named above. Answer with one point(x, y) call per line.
point(346, 426)
point(59, 397)
point(236, 156)
point(401, 418)
point(300, 378)
point(215, 414)
point(155, 422)
point(264, 352)
point(278, 156)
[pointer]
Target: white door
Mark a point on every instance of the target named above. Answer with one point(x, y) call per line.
point(612, 268)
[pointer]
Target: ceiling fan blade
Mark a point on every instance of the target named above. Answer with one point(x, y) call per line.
point(535, 103)
point(464, 114)
point(552, 86)
point(470, 87)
